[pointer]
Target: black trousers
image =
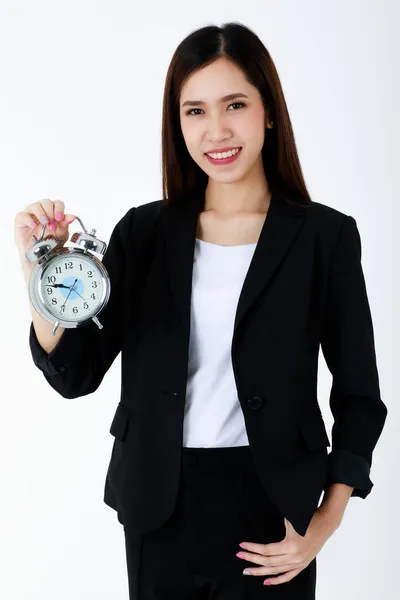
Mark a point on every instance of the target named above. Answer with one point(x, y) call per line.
point(220, 503)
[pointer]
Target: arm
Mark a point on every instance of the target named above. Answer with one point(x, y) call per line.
point(77, 364)
point(348, 347)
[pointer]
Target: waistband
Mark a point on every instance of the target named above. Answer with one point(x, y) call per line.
point(219, 458)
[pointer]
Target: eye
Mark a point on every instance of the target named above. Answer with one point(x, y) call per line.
point(190, 112)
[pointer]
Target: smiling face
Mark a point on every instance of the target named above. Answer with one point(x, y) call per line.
point(211, 121)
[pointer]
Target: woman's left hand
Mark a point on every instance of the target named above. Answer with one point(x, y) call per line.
point(291, 555)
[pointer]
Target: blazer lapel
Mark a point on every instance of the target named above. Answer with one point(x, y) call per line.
point(281, 226)
point(180, 233)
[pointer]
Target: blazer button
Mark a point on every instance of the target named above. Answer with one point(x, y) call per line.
point(255, 402)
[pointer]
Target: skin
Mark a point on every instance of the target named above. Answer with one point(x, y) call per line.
point(28, 222)
point(240, 187)
point(236, 198)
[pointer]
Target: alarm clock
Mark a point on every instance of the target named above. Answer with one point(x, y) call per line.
point(68, 286)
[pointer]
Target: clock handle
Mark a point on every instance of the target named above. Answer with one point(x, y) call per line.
point(35, 239)
point(82, 225)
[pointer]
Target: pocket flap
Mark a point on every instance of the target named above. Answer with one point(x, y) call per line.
point(314, 434)
point(120, 421)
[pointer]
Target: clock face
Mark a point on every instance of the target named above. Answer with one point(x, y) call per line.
point(72, 287)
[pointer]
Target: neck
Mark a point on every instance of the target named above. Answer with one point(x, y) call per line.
point(239, 197)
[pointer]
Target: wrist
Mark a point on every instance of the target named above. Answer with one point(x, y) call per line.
point(334, 502)
point(330, 519)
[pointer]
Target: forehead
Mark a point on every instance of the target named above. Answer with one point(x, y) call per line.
point(210, 83)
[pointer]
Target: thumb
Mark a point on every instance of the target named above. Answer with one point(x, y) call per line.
point(68, 219)
point(62, 228)
point(288, 527)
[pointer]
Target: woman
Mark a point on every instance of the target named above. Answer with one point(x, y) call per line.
point(222, 294)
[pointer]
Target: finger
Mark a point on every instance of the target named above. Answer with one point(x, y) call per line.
point(24, 219)
point(268, 561)
point(68, 219)
point(59, 210)
point(262, 571)
point(48, 207)
point(282, 578)
point(275, 548)
point(62, 227)
point(288, 566)
point(38, 211)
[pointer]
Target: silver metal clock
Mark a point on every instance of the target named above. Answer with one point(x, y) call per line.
point(68, 286)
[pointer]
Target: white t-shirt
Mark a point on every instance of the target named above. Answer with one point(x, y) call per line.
point(213, 415)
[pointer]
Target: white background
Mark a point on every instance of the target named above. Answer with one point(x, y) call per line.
point(80, 120)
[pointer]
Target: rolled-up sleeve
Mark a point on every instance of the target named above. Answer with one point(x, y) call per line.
point(349, 350)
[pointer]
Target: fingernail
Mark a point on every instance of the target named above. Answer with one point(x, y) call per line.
point(69, 222)
point(246, 572)
point(44, 219)
point(59, 216)
point(267, 583)
point(33, 224)
point(52, 225)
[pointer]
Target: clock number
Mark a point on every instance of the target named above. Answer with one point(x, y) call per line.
point(58, 269)
point(75, 310)
point(54, 300)
point(51, 279)
point(94, 284)
point(68, 265)
point(85, 305)
point(62, 308)
point(49, 291)
point(93, 296)
point(90, 273)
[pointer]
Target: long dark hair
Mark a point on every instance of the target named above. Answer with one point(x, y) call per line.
point(181, 176)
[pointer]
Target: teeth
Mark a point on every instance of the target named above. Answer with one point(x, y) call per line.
point(224, 154)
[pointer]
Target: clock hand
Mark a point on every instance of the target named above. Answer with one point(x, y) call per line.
point(61, 285)
point(70, 290)
point(79, 295)
point(76, 291)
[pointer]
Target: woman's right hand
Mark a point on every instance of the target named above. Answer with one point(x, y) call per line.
point(28, 222)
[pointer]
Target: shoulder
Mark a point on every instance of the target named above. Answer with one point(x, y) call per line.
point(137, 212)
point(318, 216)
point(149, 208)
point(325, 215)
point(328, 222)
point(137, 216)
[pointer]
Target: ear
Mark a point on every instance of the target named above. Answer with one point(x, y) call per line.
point(267, 120)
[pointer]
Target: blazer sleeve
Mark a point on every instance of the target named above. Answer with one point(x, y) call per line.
point(349, 350)
point(77, 364)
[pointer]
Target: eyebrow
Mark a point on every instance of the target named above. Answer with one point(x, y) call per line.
point(223, 99)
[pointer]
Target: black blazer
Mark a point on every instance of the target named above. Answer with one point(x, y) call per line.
point(304, 289)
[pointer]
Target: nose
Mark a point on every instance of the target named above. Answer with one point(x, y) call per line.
point(217, 131)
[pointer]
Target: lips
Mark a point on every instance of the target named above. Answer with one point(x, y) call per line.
point(221, 150)
point(224, 161)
